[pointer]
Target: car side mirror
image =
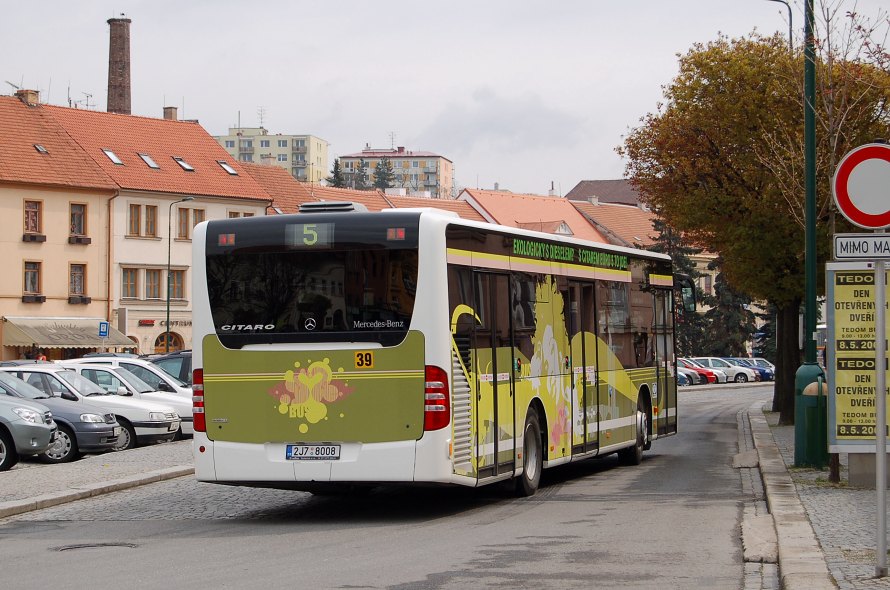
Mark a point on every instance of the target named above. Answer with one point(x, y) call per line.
point(68, 396)
point(164, 386)
point(123, 391)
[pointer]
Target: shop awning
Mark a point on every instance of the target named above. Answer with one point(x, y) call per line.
point(60, 333)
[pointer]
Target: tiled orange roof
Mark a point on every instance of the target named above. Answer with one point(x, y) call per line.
point(287, 192)
point(373, 200)
point(514, 209)
point(128, 136)
point(64, 164)
point(462, 208)
point(624, 225)
point(606, 191)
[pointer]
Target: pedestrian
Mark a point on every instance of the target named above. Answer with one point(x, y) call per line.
point(41, 356)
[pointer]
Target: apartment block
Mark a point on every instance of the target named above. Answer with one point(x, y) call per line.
point(422, 174)
point(304, 156)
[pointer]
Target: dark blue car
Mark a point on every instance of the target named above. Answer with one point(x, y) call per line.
point(765, 374)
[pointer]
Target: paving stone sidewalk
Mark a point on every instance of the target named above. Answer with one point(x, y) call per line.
point(843, 517)
point(30, 485)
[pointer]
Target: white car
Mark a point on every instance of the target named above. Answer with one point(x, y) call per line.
point(122, 382)
point(141, 422)
point(733, 372)
point(156, 377)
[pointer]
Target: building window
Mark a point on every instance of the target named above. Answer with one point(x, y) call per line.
point(230, 143)
point(177, 282)
point(78, 219)
point(182, 225)
point(149, 161)
point(197, 216)
point(299, 143)
point(245, 157)
point(76, 279)
point(33, 216)
point(134, 226)
point(264, 143)
point(247, 214)
point(152, 284)
point(234, 214)
point(32, 278)
point(151, 221)
point(183, 164)
point(282, 143)
point(113, 157)
point(227, 167)
point(282, 157)
point(129, 284)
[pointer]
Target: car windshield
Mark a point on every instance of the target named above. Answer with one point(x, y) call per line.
point(19, 388)
point(134, 381)
point(81, 384)
point(694, 363)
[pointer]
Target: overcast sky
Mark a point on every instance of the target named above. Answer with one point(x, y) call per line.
point(514, 92)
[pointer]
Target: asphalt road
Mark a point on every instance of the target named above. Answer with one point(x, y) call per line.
point(672, 522)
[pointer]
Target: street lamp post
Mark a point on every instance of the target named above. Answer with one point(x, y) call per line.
point(790, 27)
point(169, 272)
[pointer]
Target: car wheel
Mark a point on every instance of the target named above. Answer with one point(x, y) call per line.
point(8, 454)
point(741, 378)
point(63, 449)
point(532, 457)
point(127, 438)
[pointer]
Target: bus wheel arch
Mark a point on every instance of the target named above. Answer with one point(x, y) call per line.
point(633, 455)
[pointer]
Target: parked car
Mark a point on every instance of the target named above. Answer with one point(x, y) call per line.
point(682, 379)
point(733, 372)
point(712, 375)
point(692, 377)
point(81, 429)
point(26, 428)
point(765, 373)
point(17, 362)
point(178, 364)
point(141, 422)
point(119, 380)
point(762, 362)
point(149, 372)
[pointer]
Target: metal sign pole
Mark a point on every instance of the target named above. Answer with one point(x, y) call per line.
point(881, 429)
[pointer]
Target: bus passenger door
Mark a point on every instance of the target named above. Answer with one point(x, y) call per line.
point(666, 400)
point(581, 325)
point(494, 354)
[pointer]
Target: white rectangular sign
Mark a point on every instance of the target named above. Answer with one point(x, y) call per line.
point(862, 246)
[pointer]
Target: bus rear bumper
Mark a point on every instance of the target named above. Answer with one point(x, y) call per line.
point(391, 461)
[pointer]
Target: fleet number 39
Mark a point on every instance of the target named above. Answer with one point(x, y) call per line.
point(364, 360)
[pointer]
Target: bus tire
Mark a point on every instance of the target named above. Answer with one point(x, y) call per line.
point(532, 457)
point(634, 455)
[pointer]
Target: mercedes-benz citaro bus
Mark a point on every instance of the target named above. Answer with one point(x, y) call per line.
point(337, 347)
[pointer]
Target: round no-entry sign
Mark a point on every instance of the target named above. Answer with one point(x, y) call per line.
point(861, 186)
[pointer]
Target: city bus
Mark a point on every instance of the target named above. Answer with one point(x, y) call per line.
point(340, 348)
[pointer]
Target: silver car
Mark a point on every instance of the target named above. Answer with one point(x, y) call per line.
point(26, 428)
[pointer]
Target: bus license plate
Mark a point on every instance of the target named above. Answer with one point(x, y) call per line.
point(313, 452)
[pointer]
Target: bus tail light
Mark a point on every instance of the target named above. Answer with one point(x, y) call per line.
point(437, 403)
point(198, 400)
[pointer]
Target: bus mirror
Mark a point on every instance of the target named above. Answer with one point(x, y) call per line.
point(687, 293)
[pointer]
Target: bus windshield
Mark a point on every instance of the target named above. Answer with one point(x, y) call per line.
point(272, 287)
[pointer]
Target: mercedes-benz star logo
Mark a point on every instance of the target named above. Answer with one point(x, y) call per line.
point(309, 324)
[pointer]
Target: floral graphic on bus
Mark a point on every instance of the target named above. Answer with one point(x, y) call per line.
point(306, 392)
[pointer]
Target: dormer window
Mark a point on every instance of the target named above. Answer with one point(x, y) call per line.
point(227, 167)
point(40, 148)
point(113, 157)
point(149, 161)
point(185, 165)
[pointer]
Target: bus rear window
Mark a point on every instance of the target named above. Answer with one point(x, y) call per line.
point(278, 294)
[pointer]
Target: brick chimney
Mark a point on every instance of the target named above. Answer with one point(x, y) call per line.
point(119, 66)
point(170, 114)
point(29, 97)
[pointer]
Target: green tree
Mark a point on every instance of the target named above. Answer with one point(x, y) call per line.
point(729, 317)
point(336, 179)
point(708, 162)
point(359, 177)
point(384, 177)
point(690, 329)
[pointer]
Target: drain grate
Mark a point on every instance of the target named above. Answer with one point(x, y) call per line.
point(94, 545)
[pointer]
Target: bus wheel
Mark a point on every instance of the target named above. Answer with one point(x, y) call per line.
point(634, 455)
point(532, 457)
